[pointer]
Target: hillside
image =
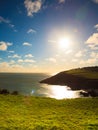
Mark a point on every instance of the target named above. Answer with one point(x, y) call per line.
point(77, 79)
point(87, 72)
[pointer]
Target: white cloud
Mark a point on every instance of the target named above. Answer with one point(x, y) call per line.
point(4, 64)
point(9, 44)
point(32, 6)
point(91, 61)
point(79, 54)
point(69, 51)
point(20, 61)
point(31, 31)
point(6, 21)
point(10, 67)
point(11, 51)
point(74, 60)
point(29, 56)
point(94, 55)
point(13, 67)
point(14, 56)
point(61, 1)
point(3, 46)
point(82, 62)
point(9, 56)
point(27, 44)
point(93, 39)
point(51, 60)
point(12, 62)
point(93, 47)
point(12, 25)
point(7, 66)
point(15, 30)
point(26, 61)
point(3, 20)
point(29, 61)
point(17, 67)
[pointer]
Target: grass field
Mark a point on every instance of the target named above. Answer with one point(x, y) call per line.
point(38, 113)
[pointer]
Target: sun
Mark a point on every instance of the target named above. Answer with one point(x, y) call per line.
point(64, 42)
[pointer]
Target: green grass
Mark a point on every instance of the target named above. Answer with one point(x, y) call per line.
point(84, 73)
point(38, 113)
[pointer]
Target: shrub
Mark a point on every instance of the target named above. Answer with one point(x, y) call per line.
point(4, 91)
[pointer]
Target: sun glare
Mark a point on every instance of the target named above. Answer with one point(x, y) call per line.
point(64, 43)
point(60, 92)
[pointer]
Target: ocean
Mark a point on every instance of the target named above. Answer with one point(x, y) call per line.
point(28, 84)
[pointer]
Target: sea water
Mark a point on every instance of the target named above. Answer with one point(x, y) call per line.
point(28, 84)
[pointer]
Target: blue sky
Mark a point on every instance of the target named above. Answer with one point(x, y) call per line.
point(48, 35)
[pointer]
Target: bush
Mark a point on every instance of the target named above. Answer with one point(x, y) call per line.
point(4, 91)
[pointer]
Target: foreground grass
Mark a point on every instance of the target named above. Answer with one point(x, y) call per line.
point(37, 113)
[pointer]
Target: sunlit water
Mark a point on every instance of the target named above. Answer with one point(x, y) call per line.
point(28, 84)
point(58, 92)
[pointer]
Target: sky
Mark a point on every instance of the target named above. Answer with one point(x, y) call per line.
point(48, 35)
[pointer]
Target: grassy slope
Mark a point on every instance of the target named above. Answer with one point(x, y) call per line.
point(87, 72)
point(28, 113)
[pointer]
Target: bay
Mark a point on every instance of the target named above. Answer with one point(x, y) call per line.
point(28, 84)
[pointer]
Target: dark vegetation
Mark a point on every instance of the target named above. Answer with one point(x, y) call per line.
point(88, 93)
point(6, 92)
point(77, 79)
point(39, 113)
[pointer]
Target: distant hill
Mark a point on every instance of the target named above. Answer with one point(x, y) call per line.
point(87, 72)
point(81, 78)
